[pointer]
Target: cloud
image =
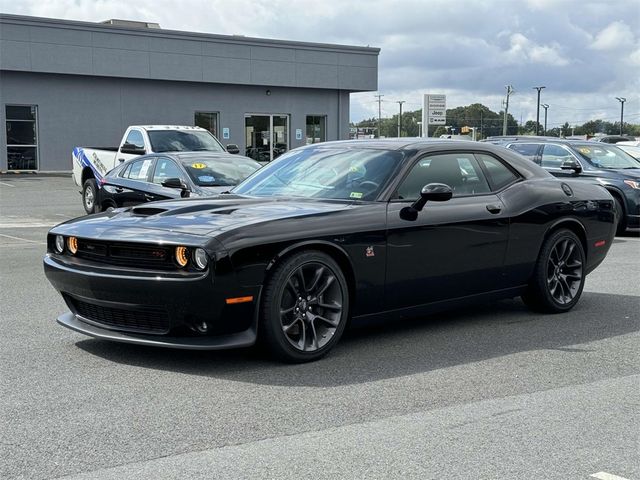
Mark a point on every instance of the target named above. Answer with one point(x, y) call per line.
point(617, 35)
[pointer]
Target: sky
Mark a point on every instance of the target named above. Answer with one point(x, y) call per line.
point(585, 52)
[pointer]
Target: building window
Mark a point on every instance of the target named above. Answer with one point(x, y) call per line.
point(316, 129)
point(208, 121)
point(22, 137)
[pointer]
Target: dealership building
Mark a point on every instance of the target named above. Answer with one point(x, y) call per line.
point(65, 84)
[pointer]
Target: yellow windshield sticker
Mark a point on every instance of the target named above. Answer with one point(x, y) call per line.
point(198, 165)
point(356, 195)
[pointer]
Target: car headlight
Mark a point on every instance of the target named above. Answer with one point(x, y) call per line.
point(59, 244)
point(200, 258)
point(182, 256)
point(633, 184)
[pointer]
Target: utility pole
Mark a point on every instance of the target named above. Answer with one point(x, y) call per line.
point(510, 90)
point(379, 112)
point(621, 100)
point(539, 89)
point(400, 102)
point(545, 106)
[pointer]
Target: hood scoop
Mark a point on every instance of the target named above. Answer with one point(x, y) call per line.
point(147, 211)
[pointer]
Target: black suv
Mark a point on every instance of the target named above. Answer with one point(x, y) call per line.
point(595, 162)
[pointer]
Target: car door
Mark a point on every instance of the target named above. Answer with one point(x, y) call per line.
point(164, 169)
point(454, 248)
point(131, 187)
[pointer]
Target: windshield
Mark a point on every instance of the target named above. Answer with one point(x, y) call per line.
point(330, 172)
point(631, 150)
point(219, 173)
point(606, 156)
point(183, 141)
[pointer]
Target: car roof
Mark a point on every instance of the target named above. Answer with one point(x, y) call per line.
point(169, 127)
point(402, 143)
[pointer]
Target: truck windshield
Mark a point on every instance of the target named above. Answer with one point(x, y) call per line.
point(183, 141)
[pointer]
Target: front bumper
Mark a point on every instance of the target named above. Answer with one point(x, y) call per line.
point(153, 308)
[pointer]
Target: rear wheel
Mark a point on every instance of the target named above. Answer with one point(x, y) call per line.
point(559, 275)
point(90, 196)
point(305, 307)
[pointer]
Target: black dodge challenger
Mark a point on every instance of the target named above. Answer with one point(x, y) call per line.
point(329, 233)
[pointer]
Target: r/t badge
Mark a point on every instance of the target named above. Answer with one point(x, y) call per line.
point(369, 252)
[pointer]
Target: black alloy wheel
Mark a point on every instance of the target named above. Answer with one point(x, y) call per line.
point(559, 275)
point(90, 196)
point(305, 307)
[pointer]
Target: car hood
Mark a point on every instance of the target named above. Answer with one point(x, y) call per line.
point(192, 218)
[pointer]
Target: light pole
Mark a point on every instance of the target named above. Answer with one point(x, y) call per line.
point(545, 106)
point(400, 102)
point(420, 127)
point(510, 90)
point(621, 100)
point(539, 89)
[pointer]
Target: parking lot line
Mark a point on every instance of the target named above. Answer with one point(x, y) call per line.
point(607, 476)
point(22, 239)
point(7, 185)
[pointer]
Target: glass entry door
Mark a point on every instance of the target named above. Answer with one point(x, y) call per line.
point(266, 136)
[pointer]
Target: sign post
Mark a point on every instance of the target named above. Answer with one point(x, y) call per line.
point(434, 111)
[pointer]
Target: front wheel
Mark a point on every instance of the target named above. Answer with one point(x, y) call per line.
point(559, 274)
point(90, 196)
point(305, 307)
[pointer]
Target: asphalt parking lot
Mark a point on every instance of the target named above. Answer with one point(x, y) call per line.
point(490, 392)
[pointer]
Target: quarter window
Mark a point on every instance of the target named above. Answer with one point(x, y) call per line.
point(460, 171)
point(499, 174)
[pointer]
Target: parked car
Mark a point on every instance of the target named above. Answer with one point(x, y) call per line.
point(611, 138)
point(330, 232)
point(172, 175)
point(91, 164)
point(631, 147)
point(593, 162)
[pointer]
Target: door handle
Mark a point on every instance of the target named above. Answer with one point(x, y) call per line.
point(495, 209)
point(148, 197)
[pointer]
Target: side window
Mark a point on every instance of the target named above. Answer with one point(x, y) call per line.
point(135, 139)
point(460, 171)
point(528, 150)
point(138, 170)
point(166, 168)
point(553, 156)
point(499, 174)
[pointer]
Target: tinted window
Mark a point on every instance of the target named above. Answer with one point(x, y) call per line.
point(166, 168)
point(458, 170)
point(138, 170)
point(553, 156)
point(499, 173)
point(219, 172)
point(529, 150)
point(135, 138)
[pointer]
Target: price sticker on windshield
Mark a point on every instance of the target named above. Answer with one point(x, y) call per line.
point(584, 150)
point(198, 166)
point(356, 195)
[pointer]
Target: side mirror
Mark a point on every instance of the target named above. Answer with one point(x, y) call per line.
point(233, 148)
point(434, 192)
point(571, 165)
point(132, 149)
point(177, 183)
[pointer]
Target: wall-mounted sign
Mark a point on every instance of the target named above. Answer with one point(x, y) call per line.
point(298, 134)
point(225, 133)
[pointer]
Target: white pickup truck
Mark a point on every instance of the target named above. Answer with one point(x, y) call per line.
point(91, 164)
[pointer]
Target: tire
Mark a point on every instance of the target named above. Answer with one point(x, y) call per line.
point(305, 307)
point(622, 221)
point(90, 196)
point(559, 275)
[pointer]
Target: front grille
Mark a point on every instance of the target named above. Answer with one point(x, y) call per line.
point(143, 320)
point(133, 255)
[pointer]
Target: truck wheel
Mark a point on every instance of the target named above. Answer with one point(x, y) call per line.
point(90, 196)
point(305, 307)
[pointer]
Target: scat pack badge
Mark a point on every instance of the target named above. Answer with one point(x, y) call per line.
point(369, 252)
